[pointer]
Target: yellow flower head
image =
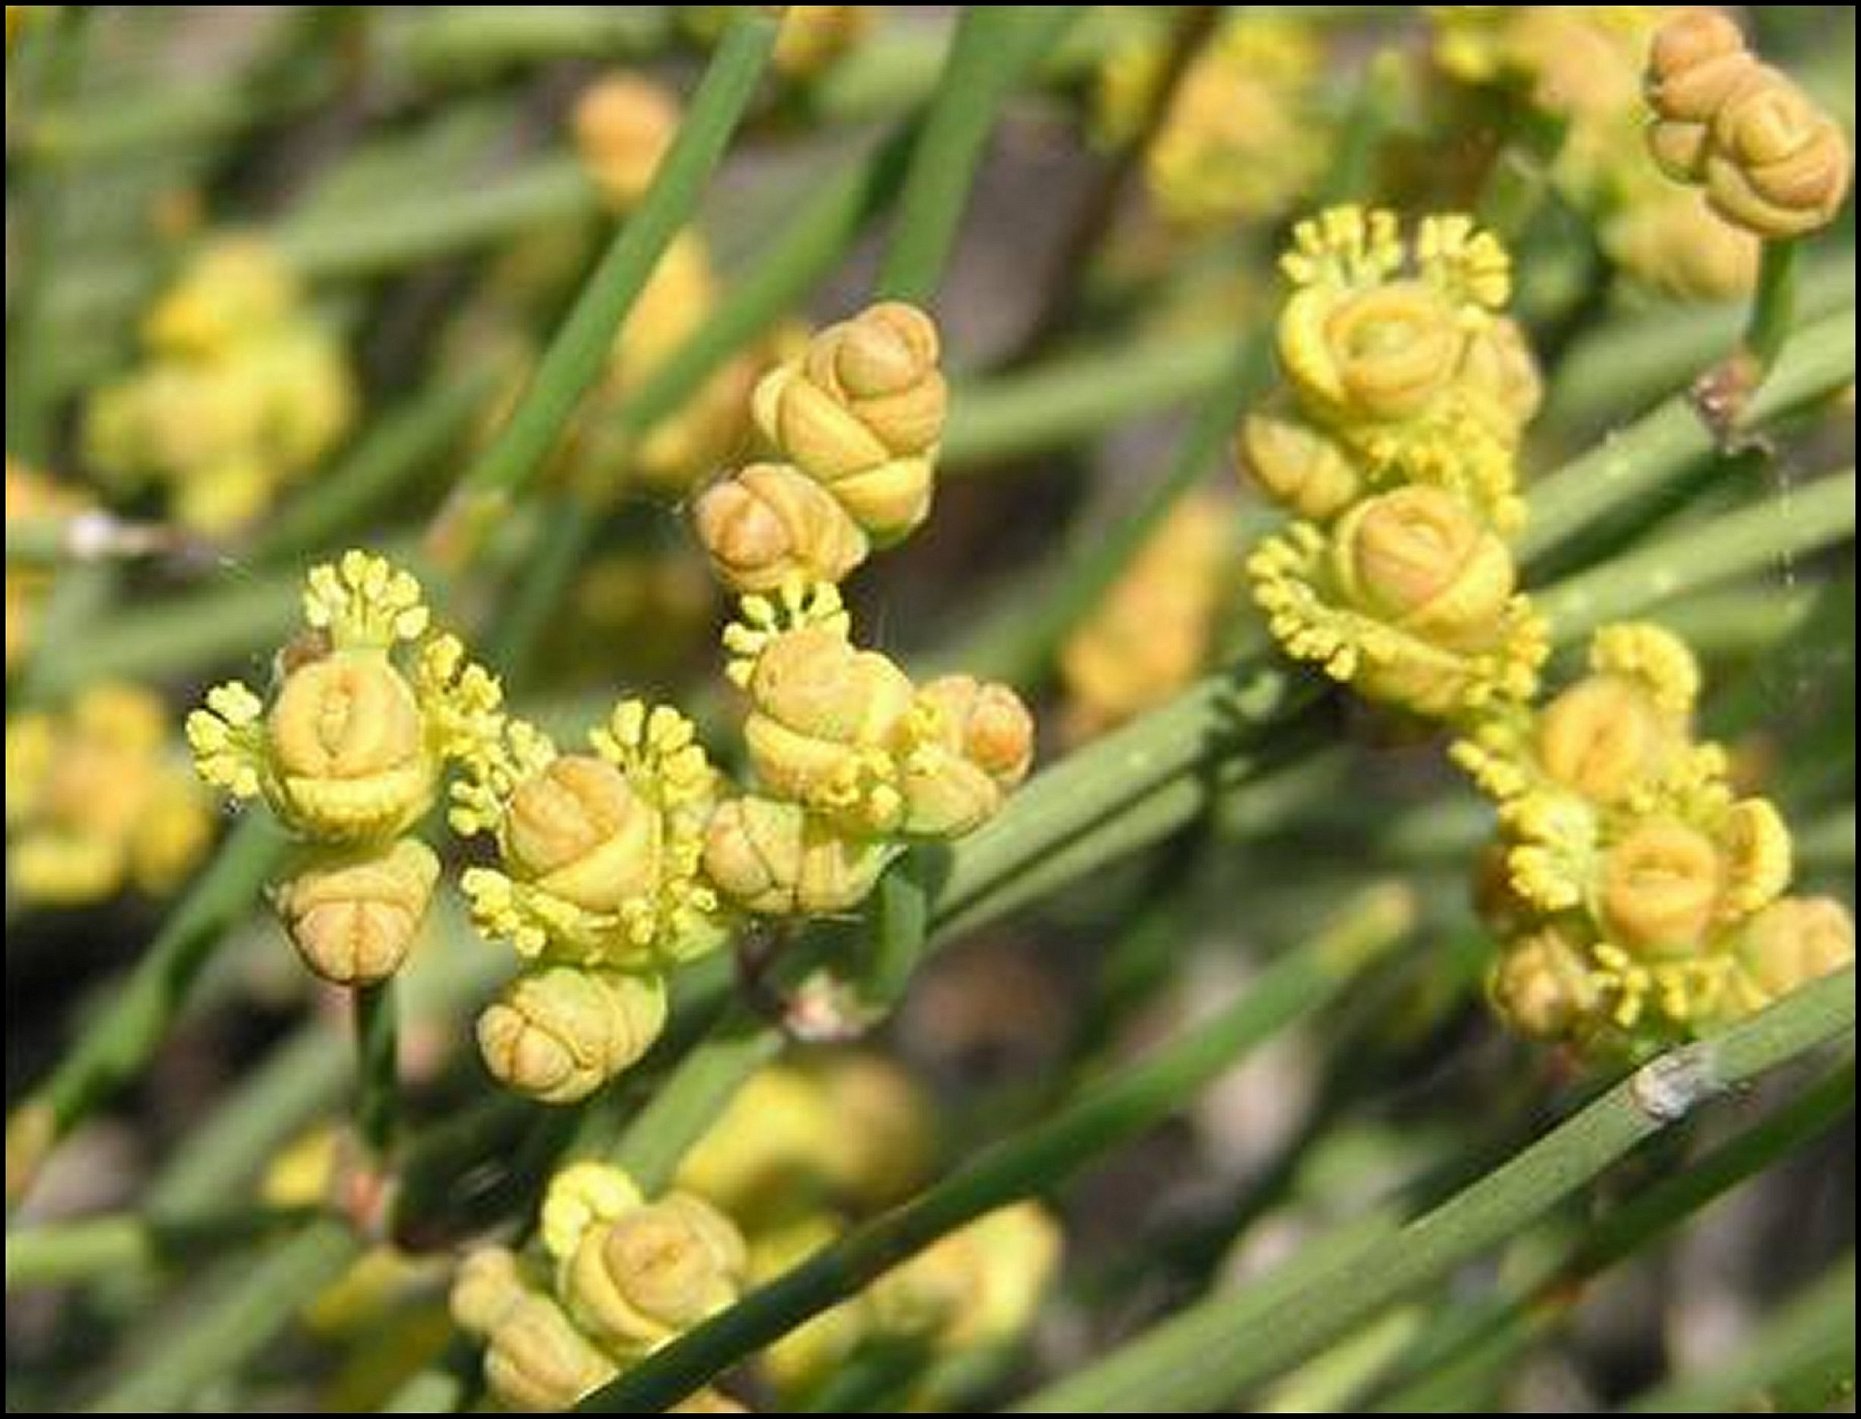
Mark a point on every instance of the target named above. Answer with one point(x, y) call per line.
point(768, 524)
point(354, 917)
point(623, 125)
point(774, 858)
point(1769, 159)
point(861, 411)
point(1410, 599)
point(558, 1033)
point(599, 852)
point(95, 804)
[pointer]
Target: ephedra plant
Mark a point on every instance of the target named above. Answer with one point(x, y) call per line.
point(656, 762)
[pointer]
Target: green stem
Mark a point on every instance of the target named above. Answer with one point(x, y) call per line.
point(899, 923)
point(1125, 1103)
point(1089, 574)
point(1794, 523)
point(570, 527)
point(116, 1045)
point(579, 351)
point(210, 1341)
point(441, 43)
point(35, 215)
point(405, 441)
point(126, 1243)
point(993, 48)
point(377, 1058)
point(1640, 458)
point(1773, 306)
point(1216, 1350)
point(1814, 1332)
point(1521, 177)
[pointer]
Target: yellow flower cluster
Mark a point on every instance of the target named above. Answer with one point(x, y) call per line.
point(853, 424)
point(1395, 440)
point(598, 888)
point(1152, 633)
point(1243, 136)
point(1768, 158)
point(96, 802)
point(370, 708)
point(31, 495)
point(244, 391)
point(1581, 66)
point(851, 759)
point(978, 1287)
point(625, 1277)
point(624, 123)
point(1638, 899)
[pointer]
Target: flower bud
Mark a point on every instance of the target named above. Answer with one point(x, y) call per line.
point(353, 919)
point(559, 1033)
point(1660, 886)
point(768, 523)
point(813, 37)
point(1420, 559)
point(861, 412)
point(623, 126)
point(654, 1271)
point(537, 1361)
point(772, 858)
point(1603, 738)
point(1499, 365)
point(1697, 60)
point(1381, 354)
point(583, 1196)
point(985, 722)
point(880, 1140)
point(1542, 985)
point(980, 1285)
point(1795, 941)
point(579, 831)
point(825, 721)
point(1297, 466)
point(1776, 164)
point(1756, 846)
point(759, 1160)
point(348, 749)
point(232, 289)
point(487, 1287)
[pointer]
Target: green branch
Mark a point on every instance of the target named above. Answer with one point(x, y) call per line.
point(993, 48)
point(1121, 1105)
point(1208, 1355)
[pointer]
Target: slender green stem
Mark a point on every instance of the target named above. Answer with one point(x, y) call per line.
point(328, 245)
point(441, 43)
point(35, 215)
point(570, 527)
point(212, 1339)
point(118, 1043)
point(993, 48)
point(377, 1059)
point(1794, 523)
point(690, 1101)
point(1207, 1355)
point(1815, 1331)
point(1092, 571)
point(86, 537)
point(1773, 305)
point(1521, 176)
point(1373, 110)
point(1123, 1104)
point(579, 351)
point(1075, 396)
point(405, 441)
point(125, 1243)
point(1635, 460)
point(899, 924)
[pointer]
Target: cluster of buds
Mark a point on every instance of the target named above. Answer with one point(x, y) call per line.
point(852, 425)
point(1243, 135)
point(1638, 899)
point(31, 495)
point(977, 1288)
point(369, 709)
point(244, 391)
point(1768, 158)
point(1153, 632)
point(625, 1276)
point(1580, 68)
point(851, 759)
point(96, 800)
point(1395, 441)
point(598, 888)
